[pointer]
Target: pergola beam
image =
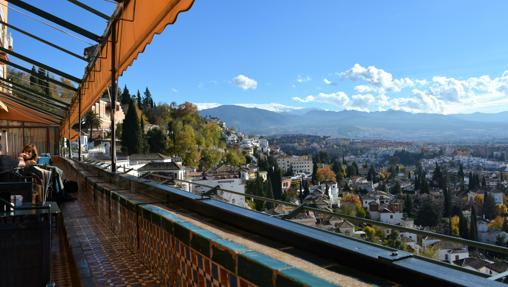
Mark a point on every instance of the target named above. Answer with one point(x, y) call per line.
point(21, 88)
point(34, 105)
point(19, 67)
point(43, 41)
point(56, 20)
point(39, 64)
point(89, 9)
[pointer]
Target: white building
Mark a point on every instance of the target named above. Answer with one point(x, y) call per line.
point(450, 255)
point(332, 191)
point(264, 146)
point(299, 164)
point(390, 217)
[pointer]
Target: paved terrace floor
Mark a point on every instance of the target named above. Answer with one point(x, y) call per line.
point(101, 259)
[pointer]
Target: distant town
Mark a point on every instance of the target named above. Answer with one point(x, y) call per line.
point(458, 190)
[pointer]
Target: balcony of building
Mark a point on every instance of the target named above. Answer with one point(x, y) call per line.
point(129, 231)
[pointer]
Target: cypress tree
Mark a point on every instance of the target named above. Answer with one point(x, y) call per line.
point(268, 192)
point(33, 77)
point(371, 175)
point(314, 172)
point(131, 132)
point(473, 232)
point(143, 144)
point(125, 97)
point(447, 203)
point(408, 205)
point(489, 206)
point(138, 99)
point(147, 100)
point(463, 231)
point(356, 171)
point(461, 172)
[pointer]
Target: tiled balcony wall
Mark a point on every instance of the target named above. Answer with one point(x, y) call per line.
point(179, 252)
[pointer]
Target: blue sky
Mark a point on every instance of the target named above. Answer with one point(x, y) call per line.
point(417, 56)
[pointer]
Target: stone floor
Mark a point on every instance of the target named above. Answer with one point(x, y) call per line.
point(102, 259)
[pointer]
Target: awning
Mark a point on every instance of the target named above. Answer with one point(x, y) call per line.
point(19, 112)
point(3, 107)
point(138, 22)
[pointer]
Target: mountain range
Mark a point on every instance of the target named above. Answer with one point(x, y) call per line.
point(388, 125)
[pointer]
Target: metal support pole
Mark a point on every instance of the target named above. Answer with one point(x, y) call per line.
point(69, 139)
point(113, 97)
point(79, 126)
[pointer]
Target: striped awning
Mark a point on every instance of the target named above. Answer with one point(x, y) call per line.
point(138, 22)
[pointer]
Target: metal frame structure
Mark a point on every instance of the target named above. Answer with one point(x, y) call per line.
point(57, 106)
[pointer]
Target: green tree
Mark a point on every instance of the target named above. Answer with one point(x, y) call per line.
point(393, 240)
point(138, 100)
point(91, 120)
point(235, 157)
point(148, 103)
point(210, 157)
point(429, 214)
point(489, 206)
point(473, 228)
point(131, 133)
point(371, 175)
point(408, 205)
point(125, 97)
point(144, 144)
point(33, 78)
point(447, 203)
point(157, 140)
point(314, 171)
point(463, 230)
point(460, 173)
point(255, 187)
point(268, 192)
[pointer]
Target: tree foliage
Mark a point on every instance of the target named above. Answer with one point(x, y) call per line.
point(429, 213)
point(325, 174)
point(132, 135)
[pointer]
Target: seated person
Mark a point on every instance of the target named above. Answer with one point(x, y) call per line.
point(28, 156)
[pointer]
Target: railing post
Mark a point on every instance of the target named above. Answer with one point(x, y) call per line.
point(113, 96)
point(69, 139)
point(79, 126)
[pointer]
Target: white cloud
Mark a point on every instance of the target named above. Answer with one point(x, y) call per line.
point(174, 90)
point(339, 99)
point(364, 89)
point(302, 79)
point(204, 106)
point(378, 78)
point(328, 82)
point(379, 90)
point(245, 82)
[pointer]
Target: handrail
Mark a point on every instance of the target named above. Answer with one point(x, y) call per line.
point(477, 244)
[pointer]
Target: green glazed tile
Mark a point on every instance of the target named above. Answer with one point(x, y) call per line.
point(167, 225)
point(295, 277)
point(182, 233)
point(200, 244)
point(224, 257)
point(258, 268)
